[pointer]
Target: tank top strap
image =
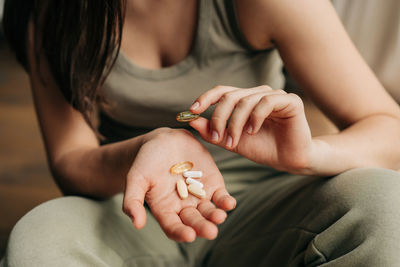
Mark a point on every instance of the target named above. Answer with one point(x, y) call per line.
point(233, 18)
point(225, 31)
point(202, 35)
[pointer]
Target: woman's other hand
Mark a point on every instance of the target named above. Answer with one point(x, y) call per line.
point(264, 125)
point(150, 180)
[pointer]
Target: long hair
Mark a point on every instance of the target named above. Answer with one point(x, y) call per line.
point(80, 39)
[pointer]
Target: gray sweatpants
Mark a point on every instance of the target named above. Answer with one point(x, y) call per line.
point(352, 219)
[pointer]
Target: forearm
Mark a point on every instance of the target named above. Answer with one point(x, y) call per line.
point(96, 172)
point(371, 142)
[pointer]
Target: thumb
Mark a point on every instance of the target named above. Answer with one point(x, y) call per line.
point(202, 125)
point(135, 191)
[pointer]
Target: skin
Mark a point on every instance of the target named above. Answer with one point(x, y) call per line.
point(157, 186)
point(267, 126)
point(338, 81)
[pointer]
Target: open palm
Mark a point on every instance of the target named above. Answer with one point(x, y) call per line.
point(149, 180)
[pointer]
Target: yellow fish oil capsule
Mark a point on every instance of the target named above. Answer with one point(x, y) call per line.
point(182, 189)
point(181, 167)
point(194, 189)
point(186, 116)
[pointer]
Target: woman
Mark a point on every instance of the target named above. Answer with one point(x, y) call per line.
point(172, 55)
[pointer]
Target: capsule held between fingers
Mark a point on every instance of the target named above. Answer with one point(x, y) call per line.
point(186, 116)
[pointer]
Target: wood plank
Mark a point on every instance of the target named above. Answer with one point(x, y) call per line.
point(25, 180)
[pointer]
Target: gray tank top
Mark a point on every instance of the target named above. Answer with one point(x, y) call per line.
point(140, 100)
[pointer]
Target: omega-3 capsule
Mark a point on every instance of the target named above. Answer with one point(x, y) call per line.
point(181, 167)
point(186, 116)
point(194, 189)
point(182, 189)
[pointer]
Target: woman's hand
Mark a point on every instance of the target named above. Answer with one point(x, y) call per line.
point(265, 125)
point(149, 180)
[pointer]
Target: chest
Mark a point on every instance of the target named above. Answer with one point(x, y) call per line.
point(162, 35)
point(152, 81)
point(157, 36)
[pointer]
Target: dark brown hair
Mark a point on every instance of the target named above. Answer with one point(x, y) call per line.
point(80, 39)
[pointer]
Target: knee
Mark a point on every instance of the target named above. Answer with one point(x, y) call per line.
point(367, 203)
point(47, 230)
point(368, 185)
point(373, 192)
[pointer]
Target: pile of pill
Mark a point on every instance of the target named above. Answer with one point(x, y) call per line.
point(195, 187)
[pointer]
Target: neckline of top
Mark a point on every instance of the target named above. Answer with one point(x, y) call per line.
point(182, 66)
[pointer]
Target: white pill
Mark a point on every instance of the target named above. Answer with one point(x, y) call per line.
point(194, 181)
point(182, 189)
point(193, 174)
point(196, 190)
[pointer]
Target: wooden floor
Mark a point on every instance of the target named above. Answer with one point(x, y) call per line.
point(25, 180)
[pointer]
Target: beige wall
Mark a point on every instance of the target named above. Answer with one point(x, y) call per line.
point(374, 26)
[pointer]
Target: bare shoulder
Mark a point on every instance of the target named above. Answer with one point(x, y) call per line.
point(264, 21)
point(254, 22)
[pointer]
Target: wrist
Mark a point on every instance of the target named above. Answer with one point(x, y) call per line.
point(325, 159)
point(319, 157)
point(96, 171)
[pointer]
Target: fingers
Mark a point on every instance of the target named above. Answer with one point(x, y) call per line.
point(211, 213)
point(223, 200)
point(135, 191)
point(227, 103)
point(174, 228)
point(246, 110)
point(281, 106)
point(201, 125)
point(193, 218)
point(209, 98)
point(239, 119)
point(227, 99)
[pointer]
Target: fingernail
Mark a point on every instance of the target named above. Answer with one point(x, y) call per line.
point(229, 141)
point(195, 105)
point(250, 129)
point(214, 136)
